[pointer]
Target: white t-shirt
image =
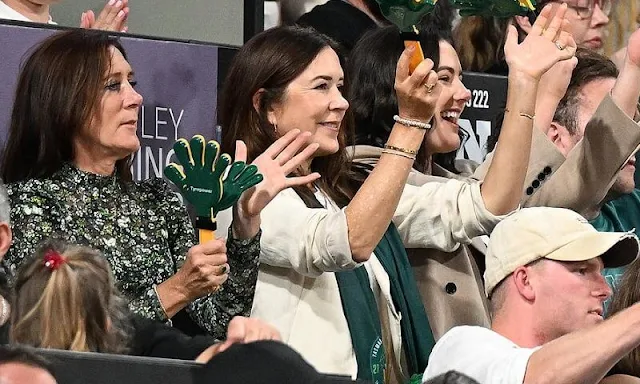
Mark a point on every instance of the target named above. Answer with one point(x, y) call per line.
point(6, 12)
point(479, 353)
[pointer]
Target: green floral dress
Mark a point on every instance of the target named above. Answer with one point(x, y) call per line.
point(142, 228)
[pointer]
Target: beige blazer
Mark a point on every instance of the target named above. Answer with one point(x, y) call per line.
point(582, 180)
point(451, 282)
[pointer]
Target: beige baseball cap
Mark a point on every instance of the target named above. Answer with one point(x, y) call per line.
point(552, 233)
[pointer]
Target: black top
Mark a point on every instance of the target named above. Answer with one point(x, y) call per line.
point(339, 20)
point(154, 339)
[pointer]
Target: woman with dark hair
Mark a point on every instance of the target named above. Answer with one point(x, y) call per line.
point(67, 165)
point(371, 71)
point(480, 40)
point(334, 274)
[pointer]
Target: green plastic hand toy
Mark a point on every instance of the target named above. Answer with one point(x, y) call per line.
point(496, 8)
point(406, 13)
point(199, 176)
point(240, 178)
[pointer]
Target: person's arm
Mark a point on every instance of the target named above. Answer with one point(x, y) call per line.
point(35, 216)
point(627, 88)
point(575, 358)
point(503, 184)
point(582, 181)
point(372, 208)
point(211, 311)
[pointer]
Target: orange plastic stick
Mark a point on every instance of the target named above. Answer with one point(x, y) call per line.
point(418, 55)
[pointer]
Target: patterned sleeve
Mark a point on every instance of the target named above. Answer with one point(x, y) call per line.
point(214, 312)
point(34, 217)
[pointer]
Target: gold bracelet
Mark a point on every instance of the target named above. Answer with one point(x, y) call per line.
point(399, 149)
point(523, 114)
point(398, 153)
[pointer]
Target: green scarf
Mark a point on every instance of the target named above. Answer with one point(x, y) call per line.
point(361, 311)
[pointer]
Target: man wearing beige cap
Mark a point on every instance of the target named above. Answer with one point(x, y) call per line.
point(546, 292)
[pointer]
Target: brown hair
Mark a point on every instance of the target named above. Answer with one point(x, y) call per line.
point(74, 306)
point(591, 66)
point(271, 60)
point(626, 295)
point(480, 42)
point(57, 95)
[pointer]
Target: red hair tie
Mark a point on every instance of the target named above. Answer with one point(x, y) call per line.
point(53, 260)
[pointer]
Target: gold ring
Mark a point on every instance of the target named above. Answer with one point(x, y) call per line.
point(543, 31)
point(214, 290)
point(223, 269)
point(430, 87)
point(559, 46)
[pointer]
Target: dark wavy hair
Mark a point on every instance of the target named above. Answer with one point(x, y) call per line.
point(56, 97)
point(271, 60)
point(75, 306)
point(371, 72)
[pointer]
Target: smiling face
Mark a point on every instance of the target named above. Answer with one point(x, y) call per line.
point(443, 138)
point(569, 296)
point(112, 131)
point(313, 102)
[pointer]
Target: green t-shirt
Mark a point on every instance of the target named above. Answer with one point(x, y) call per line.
point(619, 215)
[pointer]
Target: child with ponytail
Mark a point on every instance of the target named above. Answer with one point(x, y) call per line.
point(65, 298)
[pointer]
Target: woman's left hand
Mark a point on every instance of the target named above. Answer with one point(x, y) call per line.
point(284, 156)
point(544, 46)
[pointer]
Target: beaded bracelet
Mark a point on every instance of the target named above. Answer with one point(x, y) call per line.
point(411, 123)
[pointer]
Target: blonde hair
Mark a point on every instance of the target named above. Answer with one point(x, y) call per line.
point(74, 306)
point(625, 18)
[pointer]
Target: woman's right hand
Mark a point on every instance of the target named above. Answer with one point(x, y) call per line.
point(544, 46)
point(417, 92)
point(204, 270)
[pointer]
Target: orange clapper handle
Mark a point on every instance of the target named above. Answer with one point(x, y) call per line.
point(418, 55)
point(206, 227)
point(205, 235)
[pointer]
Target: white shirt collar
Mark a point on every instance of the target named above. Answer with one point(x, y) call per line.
point(6, 12)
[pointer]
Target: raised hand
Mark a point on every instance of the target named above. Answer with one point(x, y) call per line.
point(543, 47)
point(282, 157)
point(199, 174)
point(240, 178)
point(417, 92)
point(113, 17)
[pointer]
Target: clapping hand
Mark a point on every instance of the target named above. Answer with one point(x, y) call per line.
point(113, 17)
point(543, 47)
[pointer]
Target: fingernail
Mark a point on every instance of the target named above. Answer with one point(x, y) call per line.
point(121, 14)
point(119, 4)
point(111, 2)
